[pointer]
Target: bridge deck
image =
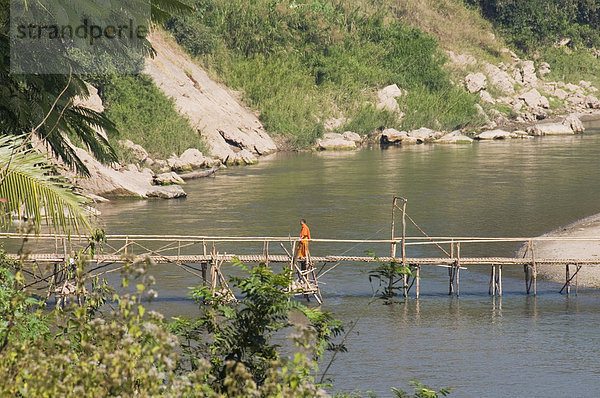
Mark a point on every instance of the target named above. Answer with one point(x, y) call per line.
point(256, 258)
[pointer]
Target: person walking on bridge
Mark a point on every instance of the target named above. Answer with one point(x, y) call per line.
point(302, 250)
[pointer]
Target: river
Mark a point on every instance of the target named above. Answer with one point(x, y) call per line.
point(481, 346)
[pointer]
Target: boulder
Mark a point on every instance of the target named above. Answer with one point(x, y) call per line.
point(517, 106)
point(165, 192)
point(574, 123)
point(544, 69)
point(425, 135)
point(499, 79)
point(577, 99)
point(386, 98)
point(168, 179)
point(486, 97)
point(520, 134)
point(105, 181)
point(585, 84)
point(193, 158)
point(493, 135)
point(334, 141)
point(177, 164)
point(138, 152)
point(550, 129)
point(242, 157)
point(475, 82)
point(392, 136)
point(571, 87)
point(592, 102)
point(560, 94)
point(455, 137)
point(533, 99)
point(352, 136)
point(162, 165)
point(529, 78)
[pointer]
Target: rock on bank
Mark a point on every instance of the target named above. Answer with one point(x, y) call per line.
point(234, 133)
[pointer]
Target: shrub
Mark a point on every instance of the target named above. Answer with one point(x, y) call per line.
point(300, 64)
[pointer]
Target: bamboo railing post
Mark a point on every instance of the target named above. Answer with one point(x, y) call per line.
point(393, 250)
point(527, 271)
point(457, 269)
point(404, 276)
point(213, 270)
point(451, 269)
point(126, 244)
point(492, 288)
point(267, 252)
point(404, 231)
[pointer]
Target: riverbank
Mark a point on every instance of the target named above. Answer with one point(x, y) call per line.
point(589, 276)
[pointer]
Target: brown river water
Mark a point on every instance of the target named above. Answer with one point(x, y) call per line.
point(481, 346)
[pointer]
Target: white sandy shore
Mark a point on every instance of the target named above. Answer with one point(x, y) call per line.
point(590, 274)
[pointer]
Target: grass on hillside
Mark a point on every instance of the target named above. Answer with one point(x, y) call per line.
point(144, 115)
point(300, 64)
point(458, 28)
point(572, 66)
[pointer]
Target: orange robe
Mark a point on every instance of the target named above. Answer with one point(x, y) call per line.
point(303, 244)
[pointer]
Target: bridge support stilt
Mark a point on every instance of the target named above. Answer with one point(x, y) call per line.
point(418, 278)
point(568, 278)
point(496, 281)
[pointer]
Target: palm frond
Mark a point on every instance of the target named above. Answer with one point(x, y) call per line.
point(30, 192)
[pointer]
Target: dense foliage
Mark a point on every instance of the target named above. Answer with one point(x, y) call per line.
point(30, 192)
point(110, 345)
point(532, 24)
point(300, 64)
point(46, 105)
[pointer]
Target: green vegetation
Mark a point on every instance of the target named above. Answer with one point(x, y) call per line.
point(144, 115)
point(533, 24)
point(390, 277)
point(572, 66)
point(456, 27)
point(122, 349)
point(300, 64)
point(28, 189)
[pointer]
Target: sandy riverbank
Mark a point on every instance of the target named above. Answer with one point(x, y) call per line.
point(590, 274)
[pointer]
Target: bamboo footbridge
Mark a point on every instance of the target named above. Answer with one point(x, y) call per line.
point(201, 257)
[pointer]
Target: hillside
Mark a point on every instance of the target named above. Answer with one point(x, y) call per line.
point(317, 67)
point(268, 71)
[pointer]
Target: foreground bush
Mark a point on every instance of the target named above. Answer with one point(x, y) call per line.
point(120, 349)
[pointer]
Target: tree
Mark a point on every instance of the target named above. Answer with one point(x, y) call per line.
point(27, 99)
point(29, 189)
